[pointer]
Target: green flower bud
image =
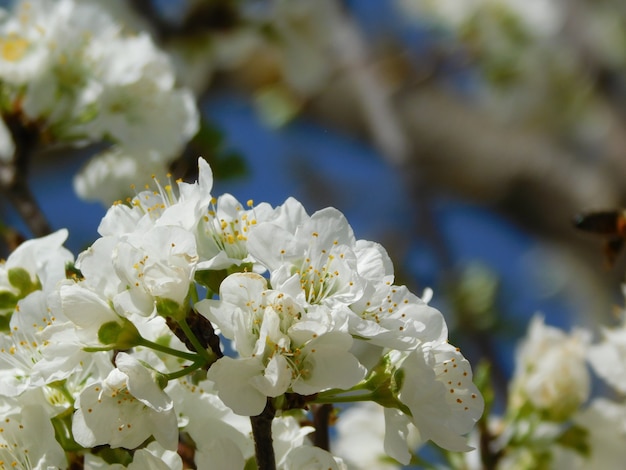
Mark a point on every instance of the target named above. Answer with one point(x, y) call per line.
point(122, 335)
point(170, 308)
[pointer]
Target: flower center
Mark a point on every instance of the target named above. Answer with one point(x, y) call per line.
point(230, 235)
point(13, 48)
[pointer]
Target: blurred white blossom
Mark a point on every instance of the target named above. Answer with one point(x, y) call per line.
point(551, 370)
point(72, 69)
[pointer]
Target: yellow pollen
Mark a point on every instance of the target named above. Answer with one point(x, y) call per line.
point(13, 48)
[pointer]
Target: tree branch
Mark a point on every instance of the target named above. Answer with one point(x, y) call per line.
point(321, 421)
point(14, 176)
point(262, 433)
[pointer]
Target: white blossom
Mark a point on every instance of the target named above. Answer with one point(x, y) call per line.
point(608, 357)
point(219, 434)
point(312, 258)
point(312, 458)
point(125, 409)
point(360, 437)
point(393, 317)
point(110, 174)
point(551, 370)
point(224, 230)
point(162, 206)
point(159, 264)
point(605, 421)
point(152, 457)
point(29, 357)
point(42, 259)
point(436, 386)
point(72, 68)
point(283, 346)
point(27, 440)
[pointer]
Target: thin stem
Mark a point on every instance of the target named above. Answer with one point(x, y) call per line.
point(262, 433)
point(334, 392)
point(329, 399)
point(167, 350)
point(185, 370)
point(200, 349)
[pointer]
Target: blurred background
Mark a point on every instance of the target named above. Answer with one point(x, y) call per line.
point(464, 136)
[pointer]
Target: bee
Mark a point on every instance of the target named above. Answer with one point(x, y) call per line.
point(610, 224)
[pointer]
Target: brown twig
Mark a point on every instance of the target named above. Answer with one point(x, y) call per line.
point(262, 433)
point(203, 17)
point(14, 175)
point(201, 328)
point(321, 421)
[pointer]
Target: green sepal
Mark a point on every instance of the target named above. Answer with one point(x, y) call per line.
point(386, 385)
point(62, 424)
point(21, 280)
point(119, 455)
point(380, 377)
point(398, 381)
point(170, 308)
point(160, 379)
point(250, 464)
point(122, 335)
point(5, 322)
point(213, 278)
point(8, 300)
point(577, 439)
point(210, 278)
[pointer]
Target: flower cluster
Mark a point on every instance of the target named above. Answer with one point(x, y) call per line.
point(192, 313)
point(552, 419)
point(70, 70)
